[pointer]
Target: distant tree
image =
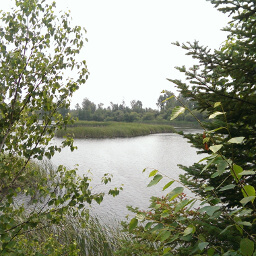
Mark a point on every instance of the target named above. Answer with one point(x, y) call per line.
point(88, 109)
point(77, 106)
point(137, 106)
point(164, 104)
point(131, 117)
point(100, 106)
point(122, 106)
point(114, 107)
point(64, 111)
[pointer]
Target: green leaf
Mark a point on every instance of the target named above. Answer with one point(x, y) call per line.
point(237, 140)
point(216, 104)
point(133, 224)
point(178, 110)
point(168, 98)
point(191, 229)
point(148, 226)
point(226, 228)
point(248, 191)
point(164, 235)
point(202, 245)
point(214, 175)
point(174, 193)
point(165, 214)
point(217, 113)
point(168, 185)
point(215, 148)
point(153, 173)
point(246, 200)
point(208, 188)
point(140, 216)
point(158, 227)
point(239, 229)
point(206, 140)
point(157, 206)
point(244, 223)
point(210, 252)
point(181, 205)
point(236, 170)
point(210, 210)
point(166, 250)
point(205, 158)
point(217, 129)
point(221, 166)
point(155, 180)
point(211, 161)
point(247, 173)
point(247, 247)
point(227, 187)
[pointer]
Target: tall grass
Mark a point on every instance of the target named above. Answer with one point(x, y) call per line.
point(84, 129)
point(92, 237)
point(88, 235)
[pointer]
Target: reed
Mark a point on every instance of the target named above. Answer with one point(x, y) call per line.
point(85, 129)
point(87, 236)
point(92, 237)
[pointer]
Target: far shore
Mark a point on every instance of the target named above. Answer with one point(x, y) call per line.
point(91, 129)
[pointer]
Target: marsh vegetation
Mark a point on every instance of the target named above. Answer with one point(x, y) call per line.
point(91, 129)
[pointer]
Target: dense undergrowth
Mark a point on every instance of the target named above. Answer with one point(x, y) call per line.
point(79, 235)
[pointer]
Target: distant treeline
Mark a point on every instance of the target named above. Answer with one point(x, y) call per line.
point(89, 111)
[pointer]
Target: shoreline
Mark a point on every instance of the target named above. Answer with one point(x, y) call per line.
point(88, 129)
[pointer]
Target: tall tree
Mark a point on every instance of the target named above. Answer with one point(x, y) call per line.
point(222, 84)
point(38, 50)
point(228, 76)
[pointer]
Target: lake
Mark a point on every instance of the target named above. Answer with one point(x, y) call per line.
point(126, 158)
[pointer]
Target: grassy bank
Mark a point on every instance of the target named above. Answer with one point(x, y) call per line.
point(86, 129)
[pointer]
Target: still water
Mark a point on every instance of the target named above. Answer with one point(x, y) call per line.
point(126, 158)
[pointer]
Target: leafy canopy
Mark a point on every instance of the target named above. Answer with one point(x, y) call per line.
point(38, 52)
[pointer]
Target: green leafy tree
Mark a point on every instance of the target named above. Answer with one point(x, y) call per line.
point(136, 106)
point(88, 109)
point(38, 49)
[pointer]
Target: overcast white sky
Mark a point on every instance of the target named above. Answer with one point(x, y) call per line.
point(129, 52)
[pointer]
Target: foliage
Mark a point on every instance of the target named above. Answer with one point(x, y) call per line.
point(227, 76)
point(38, 51)
point(135, 113)
point(81, 234)
point(168, 227)
point(223, 85)
point(173, 226)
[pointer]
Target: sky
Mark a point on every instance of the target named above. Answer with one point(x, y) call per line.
point(129, 52)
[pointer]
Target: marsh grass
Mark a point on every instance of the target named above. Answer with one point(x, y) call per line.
point(85, 129)
point(94, 238)
point(85, 236)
